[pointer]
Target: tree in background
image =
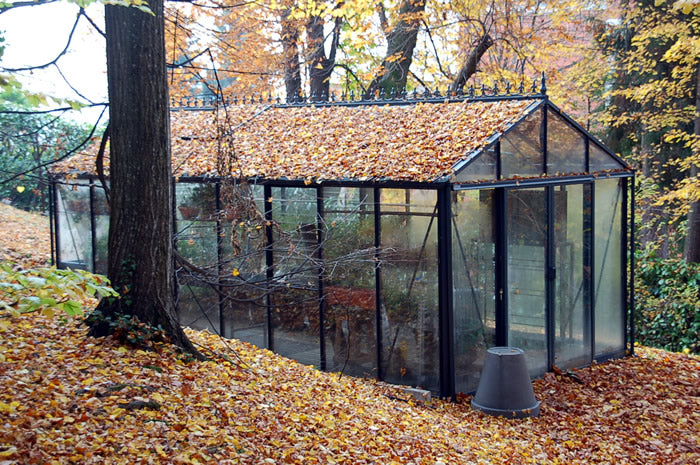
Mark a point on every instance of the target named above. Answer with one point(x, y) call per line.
point(653, 113)
point(29, 143)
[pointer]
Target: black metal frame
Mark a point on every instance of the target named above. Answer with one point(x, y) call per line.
point(443, 213)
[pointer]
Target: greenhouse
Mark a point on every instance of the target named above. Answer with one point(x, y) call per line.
point(396, 238)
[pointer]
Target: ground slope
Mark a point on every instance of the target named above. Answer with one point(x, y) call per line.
point(66, 398)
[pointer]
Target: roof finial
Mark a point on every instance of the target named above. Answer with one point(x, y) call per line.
point(543, 85)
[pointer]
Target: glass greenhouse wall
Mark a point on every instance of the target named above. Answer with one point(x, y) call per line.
point(525, 245)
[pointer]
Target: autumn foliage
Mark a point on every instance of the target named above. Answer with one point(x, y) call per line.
point(418, 142)
point(66, 398)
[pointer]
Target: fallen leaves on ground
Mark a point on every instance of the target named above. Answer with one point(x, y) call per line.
point(67, 398)
point(24, 237)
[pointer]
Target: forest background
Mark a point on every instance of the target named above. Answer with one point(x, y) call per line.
point(628, 71)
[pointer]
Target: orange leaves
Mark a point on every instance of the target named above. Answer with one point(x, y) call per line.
point(24, 237)
point(417, 142)
point(71, 399)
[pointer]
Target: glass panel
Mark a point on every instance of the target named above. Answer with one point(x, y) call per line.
point(566, 147)
point(101, 210)
point(481, 169)
point(599, 160)
point(571, 320)
point(195, 239)
point(75, 232)
point(409, 280)
point(521, 150)
point(243, 263)
point(527, 240)
point(195, 233)
point(350, 281)
point(608, 292)
point(198, 304)
point(473, 275)
point(296, 318)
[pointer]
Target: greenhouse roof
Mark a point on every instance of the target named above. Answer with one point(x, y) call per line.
point(411, 141)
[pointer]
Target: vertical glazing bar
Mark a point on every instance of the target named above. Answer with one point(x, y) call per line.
point(220, 260)
point(446, 326)
point(52, 218)
point(56, 225)
point(543, 138)
point(378, 279)
point(589, 261)
point(499, 165)
point(320, 237)
point(269, 262)
point(93, 227)
point(588, 154)
point(550, 278)
point(632, 262)
point(623, 257)
point(173, 208)
point(500, 214)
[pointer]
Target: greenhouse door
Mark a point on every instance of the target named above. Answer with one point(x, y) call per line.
point(543, 290)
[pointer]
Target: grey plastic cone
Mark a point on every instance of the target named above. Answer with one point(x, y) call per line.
point(505, 388)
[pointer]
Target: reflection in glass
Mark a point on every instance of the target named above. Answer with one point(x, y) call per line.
point(481, 169)
point(600, 160)
point(349, 282)
point(566, 147)
point(473, 276)
point(73, 215)
point(195, 240)
point(521, 149)
point(527, 240)
point(243, 271)
point(608, 291)
point(295, 316)
point(571, 342)
point(409, 282)
point(101, 229)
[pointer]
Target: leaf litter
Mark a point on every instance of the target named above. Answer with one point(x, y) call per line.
point(67, 398)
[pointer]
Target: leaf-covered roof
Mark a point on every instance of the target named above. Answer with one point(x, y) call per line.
point(417, 142)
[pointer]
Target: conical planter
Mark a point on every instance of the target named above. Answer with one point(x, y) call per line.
point(505, 388)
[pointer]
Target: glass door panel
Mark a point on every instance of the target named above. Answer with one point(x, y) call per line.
point(571, 315)
point(526, 289)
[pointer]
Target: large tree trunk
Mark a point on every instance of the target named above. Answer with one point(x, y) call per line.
point(691, 251)
point(320, 65)
point(470, 66)
point(290, 56)
point(141, 231)
point(400, 44)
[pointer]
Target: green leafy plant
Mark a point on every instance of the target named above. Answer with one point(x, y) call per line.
point(131, 331)
point(666, 303)
point(48, 290)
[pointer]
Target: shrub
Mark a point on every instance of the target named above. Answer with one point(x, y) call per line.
point(666, 303)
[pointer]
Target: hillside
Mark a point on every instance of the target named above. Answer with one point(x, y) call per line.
point(66, 398)
point(24, 237)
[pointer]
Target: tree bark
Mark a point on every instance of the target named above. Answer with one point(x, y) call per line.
point(320, 65)
point(400, 44)
point(691, 250)
point(290, 51)
point(470, 66)
point(141, 265)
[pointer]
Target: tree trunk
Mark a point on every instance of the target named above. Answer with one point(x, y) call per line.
point(141, 231)
point(400, 44)
point(290, 53)
point(691, 251)
point(470, 66)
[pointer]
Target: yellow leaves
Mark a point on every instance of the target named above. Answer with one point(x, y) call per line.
point(20, 189)
point(418, 142)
